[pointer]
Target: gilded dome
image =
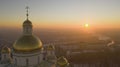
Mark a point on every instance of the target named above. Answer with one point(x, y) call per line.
point(50, 47)
point(62, 61)
point(5, 50)
point(27, 43)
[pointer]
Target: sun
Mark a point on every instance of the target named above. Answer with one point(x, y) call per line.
point(86, 25)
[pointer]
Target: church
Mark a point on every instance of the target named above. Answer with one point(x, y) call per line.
point(28, 51)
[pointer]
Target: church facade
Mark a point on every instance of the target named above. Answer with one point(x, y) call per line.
point(28, 51)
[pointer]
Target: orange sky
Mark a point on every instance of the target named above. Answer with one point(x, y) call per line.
point(61, 13)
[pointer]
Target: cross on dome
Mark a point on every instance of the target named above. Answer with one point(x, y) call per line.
point(27, 8)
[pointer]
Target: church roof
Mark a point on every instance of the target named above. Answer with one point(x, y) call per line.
point(27, 43)
point(50, 47)
point(62, 61)
point(5, 50)
point(27, 22)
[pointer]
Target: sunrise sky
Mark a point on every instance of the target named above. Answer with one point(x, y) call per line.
point(61, 13)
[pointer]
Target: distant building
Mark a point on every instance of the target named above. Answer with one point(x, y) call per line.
point(28, 51)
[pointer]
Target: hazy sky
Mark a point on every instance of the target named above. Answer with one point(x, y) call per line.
point(61, 13)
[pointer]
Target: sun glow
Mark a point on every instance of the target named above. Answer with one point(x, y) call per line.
point(86, 25)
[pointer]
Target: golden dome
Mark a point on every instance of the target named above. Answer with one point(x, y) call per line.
point(5, 50)
point(27, 43)
point(62, 61)
point(50, 47)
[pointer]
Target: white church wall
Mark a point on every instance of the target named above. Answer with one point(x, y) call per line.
point(27, 59)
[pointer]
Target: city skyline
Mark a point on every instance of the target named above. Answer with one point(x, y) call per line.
point(61, 13)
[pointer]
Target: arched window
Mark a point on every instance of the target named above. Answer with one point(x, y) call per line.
point(38, 59)
point(4, 56)
point(27, 62)
point(15, 61)
point(11, 55)
point(51, 53)
point(27, 29)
